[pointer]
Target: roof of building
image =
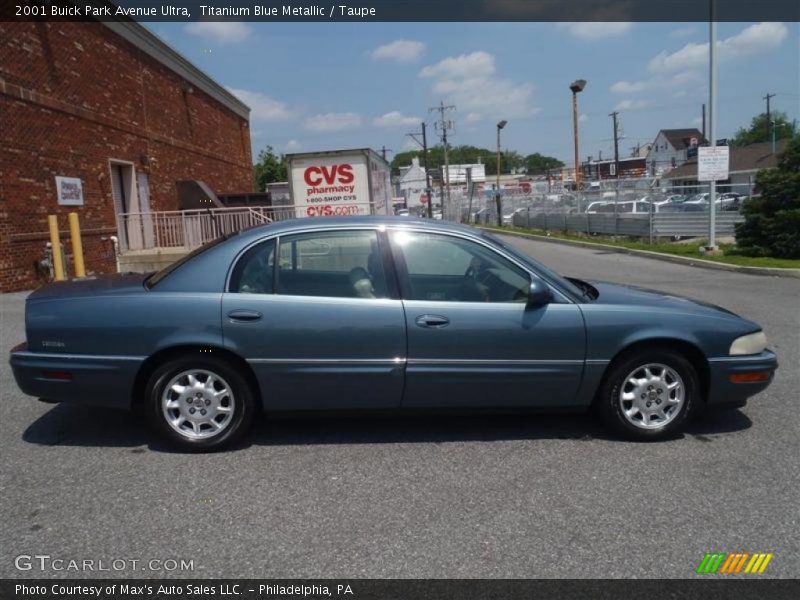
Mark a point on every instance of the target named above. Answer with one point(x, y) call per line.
point(156, 48)
point(742, 159)
point(680, 138)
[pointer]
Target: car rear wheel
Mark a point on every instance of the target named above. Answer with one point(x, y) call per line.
point(649, 394)
point(199, 403)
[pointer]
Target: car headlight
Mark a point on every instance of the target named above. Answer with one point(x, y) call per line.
point(754, 343)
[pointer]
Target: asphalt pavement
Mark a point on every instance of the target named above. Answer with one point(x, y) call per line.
point(444, 497)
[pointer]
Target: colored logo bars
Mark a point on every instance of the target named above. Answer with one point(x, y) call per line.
point(740, 562)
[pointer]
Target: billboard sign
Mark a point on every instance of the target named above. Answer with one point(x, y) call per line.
point(336, 185)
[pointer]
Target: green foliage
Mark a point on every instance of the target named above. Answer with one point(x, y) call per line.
point(269, 168)
point(759, 130)
point(509, 159)
point(538, 164)
point(772, 221)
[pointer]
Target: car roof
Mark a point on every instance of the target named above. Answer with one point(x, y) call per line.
point(312, 223)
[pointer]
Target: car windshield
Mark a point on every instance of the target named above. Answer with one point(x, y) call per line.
point(545, 271)
point(153, 279)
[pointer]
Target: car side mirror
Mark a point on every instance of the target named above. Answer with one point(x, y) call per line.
point(539, 294)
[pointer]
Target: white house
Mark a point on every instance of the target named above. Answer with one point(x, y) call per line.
point(412, 183)
point(671, 149)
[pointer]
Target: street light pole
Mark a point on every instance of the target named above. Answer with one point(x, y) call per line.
point(712, 129)
point(497, 198)
point(576, 87)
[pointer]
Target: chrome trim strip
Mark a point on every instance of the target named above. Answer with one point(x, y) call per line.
point(761, 357)
point(597, 361)
point(481, 361)
point(344, 361)
point(29, 354)
point(409, 361)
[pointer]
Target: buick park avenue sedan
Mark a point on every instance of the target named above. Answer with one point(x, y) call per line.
point(379, 314)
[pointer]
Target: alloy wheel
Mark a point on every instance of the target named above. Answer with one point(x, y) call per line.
point(651, 396)
point(198, 404)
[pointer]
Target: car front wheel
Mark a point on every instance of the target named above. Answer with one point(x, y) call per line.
point(649, 394)
point(199, 403)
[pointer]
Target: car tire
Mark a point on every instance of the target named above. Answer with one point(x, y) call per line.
point(199, 403)
point(649, 394)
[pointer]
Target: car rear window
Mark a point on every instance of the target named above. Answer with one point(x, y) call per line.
point(158, 276)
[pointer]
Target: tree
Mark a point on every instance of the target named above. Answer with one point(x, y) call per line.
point(538, 164)
point(772, 221)
point(269, 168)
point(509, 159)
point(760, 132)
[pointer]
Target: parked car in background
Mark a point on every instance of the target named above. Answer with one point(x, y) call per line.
point(681, 207)
point(701, 198)
point(598, 207)
point(725, 201)
point(626, 207)
point(485, 216)
point(379, 314)
point(671, 199)
point(508, 217)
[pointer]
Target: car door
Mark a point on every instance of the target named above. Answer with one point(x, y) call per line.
point(472, 339)
point(318, 317)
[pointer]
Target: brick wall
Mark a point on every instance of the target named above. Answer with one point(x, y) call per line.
point(74, 96)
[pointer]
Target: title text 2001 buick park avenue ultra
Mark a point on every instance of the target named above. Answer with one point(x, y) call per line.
point(379, 314)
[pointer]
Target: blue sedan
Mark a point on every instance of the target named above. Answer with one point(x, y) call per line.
point(379, 314)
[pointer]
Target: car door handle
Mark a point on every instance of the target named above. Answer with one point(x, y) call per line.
point(244, 315)
point(434, 321)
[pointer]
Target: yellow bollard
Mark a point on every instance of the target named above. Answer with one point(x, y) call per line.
point(77, 246)
point(58, 266)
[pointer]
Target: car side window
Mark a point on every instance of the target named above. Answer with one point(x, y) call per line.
point(253, 273)
point(452, 269)
point(340, 264)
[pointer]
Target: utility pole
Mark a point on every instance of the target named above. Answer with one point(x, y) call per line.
point(469, 194)
point(767, 98)
point(384, 150)
point(444, 125)
point(424, 144)
point(428, 190)
point(613, 115)
point(704, 124)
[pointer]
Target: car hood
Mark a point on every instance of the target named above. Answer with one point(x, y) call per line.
point(613, 293)
point(91, 286)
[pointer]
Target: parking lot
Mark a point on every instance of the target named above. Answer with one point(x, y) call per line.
point(443, 497)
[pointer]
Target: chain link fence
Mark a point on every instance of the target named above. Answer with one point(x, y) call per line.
point(643, 208)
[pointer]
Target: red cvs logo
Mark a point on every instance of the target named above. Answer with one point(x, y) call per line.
point(341, 174)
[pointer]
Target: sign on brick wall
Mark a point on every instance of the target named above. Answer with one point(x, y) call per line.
point(70, 191)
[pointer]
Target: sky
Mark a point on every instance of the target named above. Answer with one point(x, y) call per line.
point(323, 86)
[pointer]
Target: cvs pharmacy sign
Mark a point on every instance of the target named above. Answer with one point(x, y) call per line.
point(341, 174)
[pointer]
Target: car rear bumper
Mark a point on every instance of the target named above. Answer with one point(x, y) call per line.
point(734, 379)
point(93, 380)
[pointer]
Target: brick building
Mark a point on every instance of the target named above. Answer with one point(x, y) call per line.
point(118, 113)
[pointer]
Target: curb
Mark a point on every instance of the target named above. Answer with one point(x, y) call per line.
point(681, 260)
